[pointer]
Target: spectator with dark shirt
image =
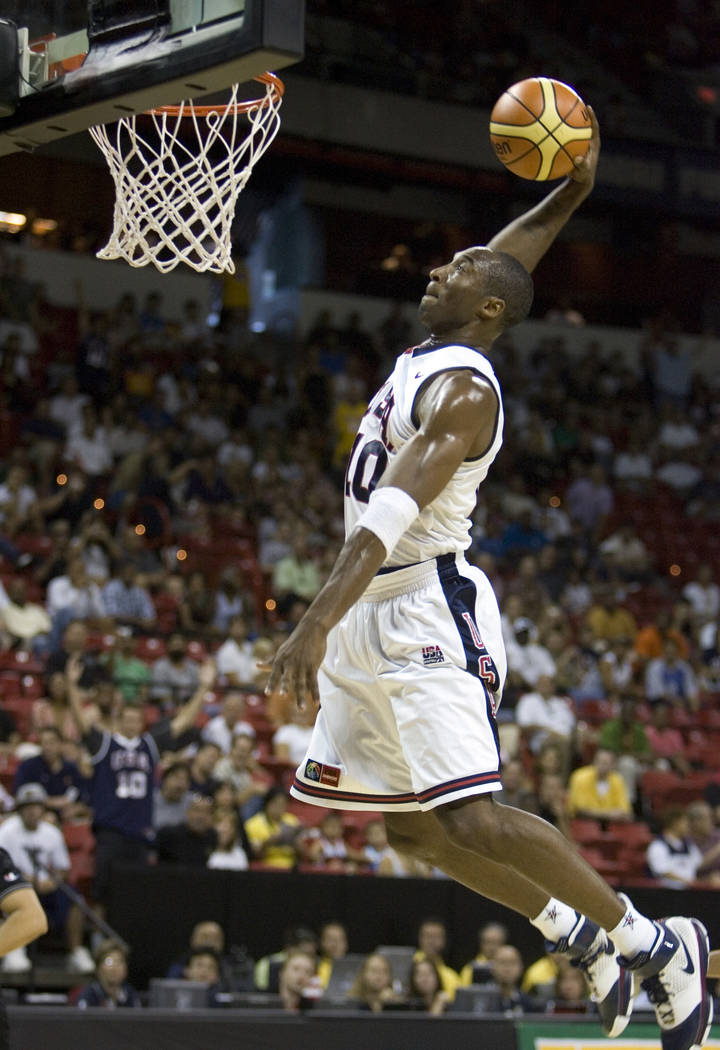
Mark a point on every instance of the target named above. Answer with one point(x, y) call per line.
point(507, 970)
point(236, 967)
point(173, 795)
point(174, 676)
point(202, 781)
point(74, 644)
point(127, 602)
point(110, 988)
point(192, 841)
point(66, 788)
point(203, 967)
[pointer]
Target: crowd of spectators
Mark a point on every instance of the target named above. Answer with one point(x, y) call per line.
point(320, 969)
point(474, 56)
point(170, 502)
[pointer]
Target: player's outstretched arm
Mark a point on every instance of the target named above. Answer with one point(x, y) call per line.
point(528, 237)
point(456, 414)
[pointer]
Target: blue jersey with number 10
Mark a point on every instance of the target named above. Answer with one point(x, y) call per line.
point(123, 784)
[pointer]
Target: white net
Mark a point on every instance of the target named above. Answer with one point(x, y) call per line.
point(178, 172)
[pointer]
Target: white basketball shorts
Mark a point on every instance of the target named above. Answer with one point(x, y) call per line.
point(409, 688)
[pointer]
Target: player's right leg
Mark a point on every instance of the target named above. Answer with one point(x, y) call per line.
point(587, 945)
point(671, 967)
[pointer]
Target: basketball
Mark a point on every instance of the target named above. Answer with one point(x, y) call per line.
point(538, 127)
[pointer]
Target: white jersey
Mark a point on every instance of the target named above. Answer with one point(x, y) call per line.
point(390, 421)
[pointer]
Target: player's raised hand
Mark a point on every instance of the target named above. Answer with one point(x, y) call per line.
point(586, 165)
point(293, 672)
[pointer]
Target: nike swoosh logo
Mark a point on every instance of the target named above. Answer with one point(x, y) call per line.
point(689, 968)
point(418, 375)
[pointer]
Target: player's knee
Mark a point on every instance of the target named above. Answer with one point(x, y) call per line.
point(408, 833)
point(475, 826)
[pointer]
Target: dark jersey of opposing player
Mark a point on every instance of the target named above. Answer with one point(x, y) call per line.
point(123, 781)
point(11, 879)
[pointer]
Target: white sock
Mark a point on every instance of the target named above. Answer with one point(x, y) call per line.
point(556, 920)
point(634, 933)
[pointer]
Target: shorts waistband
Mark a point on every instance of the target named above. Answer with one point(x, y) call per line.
point(401, 579)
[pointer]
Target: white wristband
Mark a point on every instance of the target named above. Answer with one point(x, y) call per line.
point(391, 512)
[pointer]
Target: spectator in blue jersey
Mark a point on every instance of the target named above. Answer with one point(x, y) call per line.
point(125, 762)
point(129, 604)
point(67, 789)
point(110, 986)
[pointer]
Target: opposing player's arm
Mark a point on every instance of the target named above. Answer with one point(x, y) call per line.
point(457, 414)
point(528, 237)
point(23, 919)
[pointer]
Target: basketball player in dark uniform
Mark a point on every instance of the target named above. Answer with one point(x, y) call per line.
point(23, 920)
point(124, 766)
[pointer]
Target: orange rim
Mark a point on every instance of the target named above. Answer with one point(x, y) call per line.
point(189, 108)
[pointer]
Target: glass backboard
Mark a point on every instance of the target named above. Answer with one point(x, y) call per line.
point(86, 62)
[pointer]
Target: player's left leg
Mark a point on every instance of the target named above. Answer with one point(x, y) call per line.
point(423, 836)
point(670, 956)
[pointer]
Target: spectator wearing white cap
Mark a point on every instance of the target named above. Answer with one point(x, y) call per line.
point(40, 853)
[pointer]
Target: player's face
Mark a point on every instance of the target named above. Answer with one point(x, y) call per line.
point(455, 292)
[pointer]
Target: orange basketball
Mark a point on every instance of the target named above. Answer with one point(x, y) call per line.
point(538, 127)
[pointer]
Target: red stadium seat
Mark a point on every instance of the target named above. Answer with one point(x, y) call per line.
point(197, 650)
point(636, 835)
point(21, 661)
point(20, 708)
point(149, 649)
point(78, 837)
point(586, 831)
point(33, 686)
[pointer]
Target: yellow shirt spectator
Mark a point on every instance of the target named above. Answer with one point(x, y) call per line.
point(262, 827)
point(597, 791)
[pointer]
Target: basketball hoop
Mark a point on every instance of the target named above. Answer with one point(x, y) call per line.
point(175, 200)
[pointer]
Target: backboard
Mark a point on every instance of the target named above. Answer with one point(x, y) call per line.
point(86, 62)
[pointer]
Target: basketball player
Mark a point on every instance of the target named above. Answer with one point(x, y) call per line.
point(23, 920)
point(413, 664)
